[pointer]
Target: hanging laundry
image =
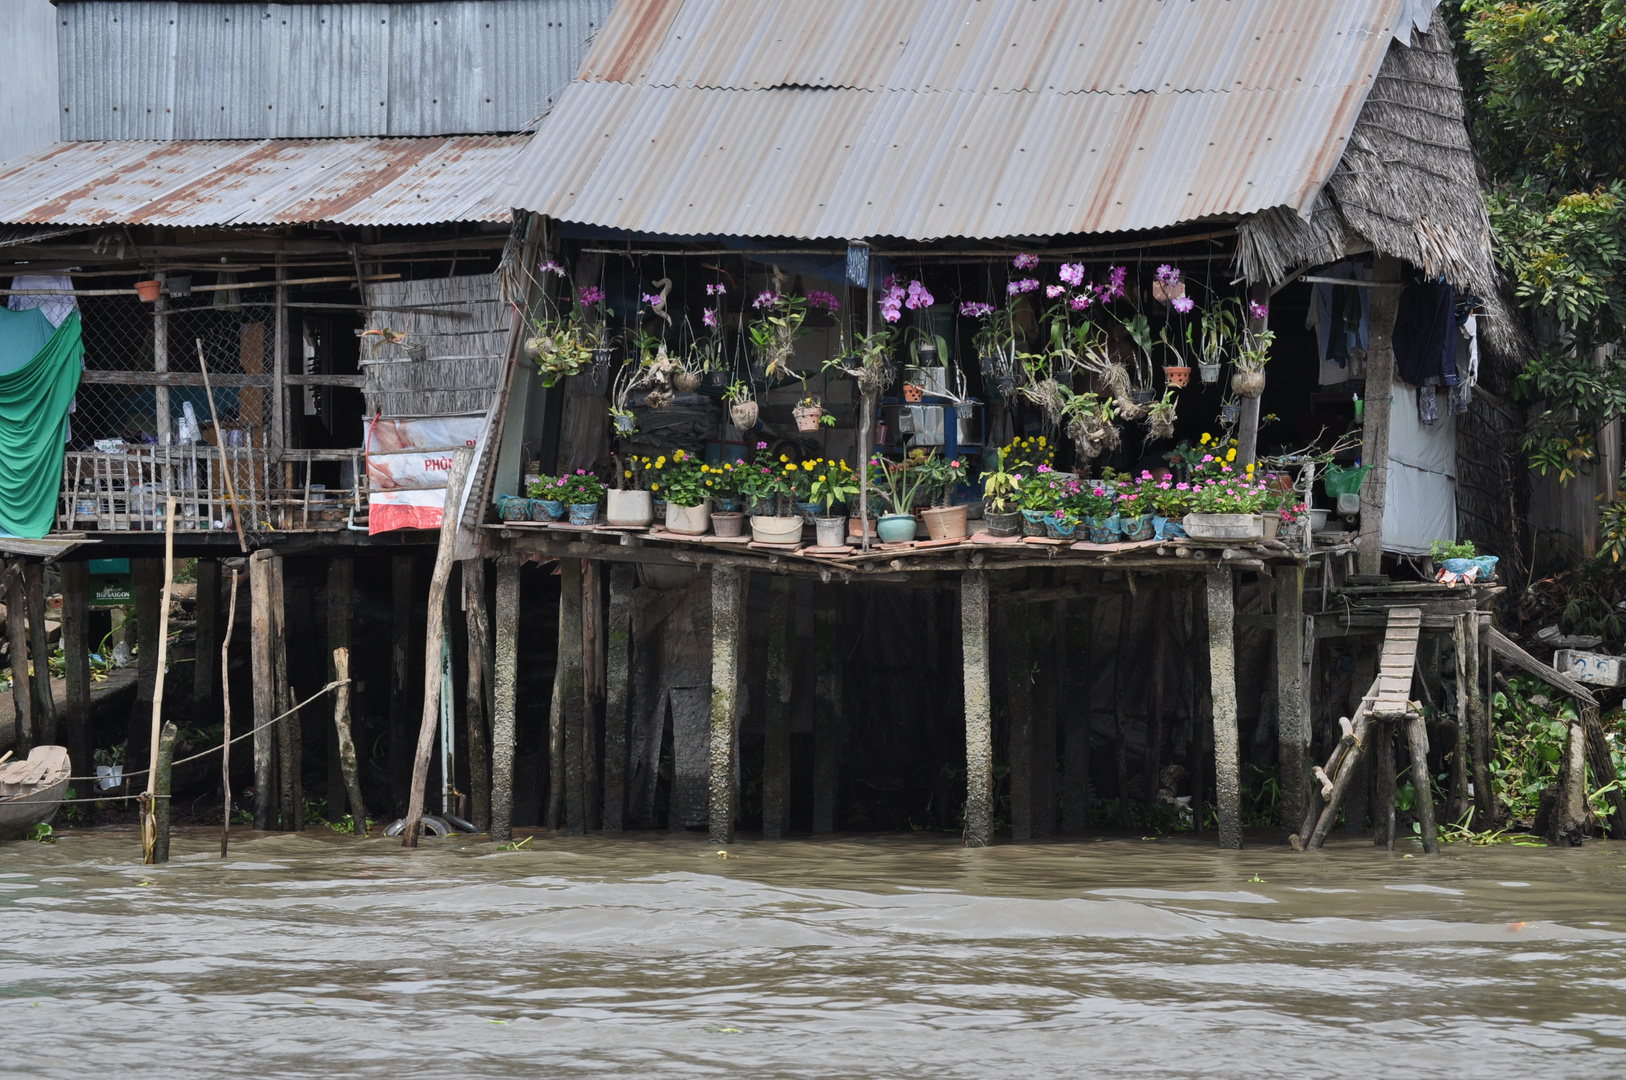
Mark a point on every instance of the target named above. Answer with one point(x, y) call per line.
point(56, 307)
point(1340, 317)
point(1425, 339)
point(1428, 403)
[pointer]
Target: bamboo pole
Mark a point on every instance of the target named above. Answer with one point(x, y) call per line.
point(502, 713)
point(220, 445)
point(455, 482)
point(347, 742)
point(158, 685)
point(979, 739)
point(225, 730)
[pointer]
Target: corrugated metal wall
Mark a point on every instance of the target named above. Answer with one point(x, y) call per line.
point(184, 70)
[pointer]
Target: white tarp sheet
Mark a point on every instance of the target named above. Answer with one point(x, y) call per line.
point(1420, 504)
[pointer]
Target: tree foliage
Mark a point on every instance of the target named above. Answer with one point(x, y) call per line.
point(1545, 82)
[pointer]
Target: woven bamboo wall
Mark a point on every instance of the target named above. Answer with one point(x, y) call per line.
point(441, 364)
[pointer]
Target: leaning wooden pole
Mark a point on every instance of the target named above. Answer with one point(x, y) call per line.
point(727, 617)
point(155, 804)
point(436, 625)
point(502, 714)
point(1222, 689)
point(158, 686)
point(220, 445)
point(979, 736)
point(225, 729)
point(347, 741)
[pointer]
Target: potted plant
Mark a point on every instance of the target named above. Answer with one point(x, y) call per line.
point(799, 482)
point(1134, 506)
point(944, 521)
point(774, 330)
point(564, 343)
point(1249, 378)
point(1037, 499)
point(833, 485)
point(809, 413)
point(581, 492)
point(901, 482)
point(742, 405)
point(629, 502)
point(1171, 501)
point(724, 483)
point(1001, 501)
point(1216, 330)
point(1227, 507)
point(1095, 504)
point(547, 503)
point(688, 498)
point(1089, 419)
point(766, 488)
point(1160, 416)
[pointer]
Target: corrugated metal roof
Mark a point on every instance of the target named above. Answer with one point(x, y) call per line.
point(974, 118)
point(132, 69)
point(262, 182)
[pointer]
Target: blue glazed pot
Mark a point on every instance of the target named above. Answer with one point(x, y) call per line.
point(1033, 522)
point(728, 506)
point(547, 510)
point(1103, 530)
point(583, 513)
point(1137, 528)
point(1059, 530)
point(896, 528)
point(808, 510)
point(1167, 529)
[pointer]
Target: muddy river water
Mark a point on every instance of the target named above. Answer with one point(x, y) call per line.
point(323, 956)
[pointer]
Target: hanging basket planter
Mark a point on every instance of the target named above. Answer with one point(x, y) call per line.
point(744, 415)
point(1208, 372)
point(686, 382)
point(1177, 377)
point(1248, 384)
point(808, 417)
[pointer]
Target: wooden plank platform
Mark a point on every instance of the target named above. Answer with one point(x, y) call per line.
point(1397, 661)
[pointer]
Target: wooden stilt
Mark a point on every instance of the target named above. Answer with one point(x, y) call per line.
point(1380, 363)
point(1017, 656)
point(1222, 678)
point(158, 797)
point(1461, 737)
point(22, 688)
point(161, 732)
point(207, 621)
point(403, 707)
point(45, 723)
point(979, 738)
point(1417, 742)
point(1602, 764)
point(290, 741)
point(555, 817)
point(593, 691)
point(617, 696)
point(776, 710)
point(1479, 725)
point(436, 622)
point(225, 725)
point(571, 696)
point(1343, 767)
point(1292, 705)
point(827, 718)
point(1200, 704)
point(1073, 648)
point(340, 589)
point(727, 619)
point(1152, 761)
point(1383, 787)
point(76, 662)
point(261, 566)
point(347, 742)
point(478, 686)
point(1045, 697)
point(1120, 728)
point(147, 586)
point(503, 698)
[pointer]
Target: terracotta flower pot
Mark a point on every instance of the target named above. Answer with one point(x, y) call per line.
point(728, 523)
point(148, 290)
point(1177, 376)
point(807, 417)
point(912, 392)
point(945, 522)
point(855, 528)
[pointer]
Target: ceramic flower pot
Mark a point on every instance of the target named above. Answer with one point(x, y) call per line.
point(1103, 530)
point(689, 520)
point(807, 417)
point(583, 513)
point(725, 504)
point(776, 529)
point(832, 532)
point(896, 528)
point(1177, 376)
point(1136, 528)
point(1273, 524)
point(1249, 384)
point(913, 392)
point(728, 523)
point(1001, 524)
point(628, 507)
point(547, 510)
point(945, 522)
point(1033, 522)
point(148, 290)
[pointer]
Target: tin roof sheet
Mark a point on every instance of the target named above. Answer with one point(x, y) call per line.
point(973, 118)
point(358, 181)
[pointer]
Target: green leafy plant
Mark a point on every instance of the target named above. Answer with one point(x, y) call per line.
point(579, 488)
point(1001, 490)
point(1440, 550)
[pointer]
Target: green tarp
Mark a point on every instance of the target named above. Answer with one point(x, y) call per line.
point(34, 400)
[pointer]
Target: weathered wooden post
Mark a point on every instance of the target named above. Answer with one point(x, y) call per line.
point(1222, 689)
point(147, 585)
point(1292, 701)
point(593, 691)
point(477, 686)
point(1125, 659)
point(262, 566)
point(1479, 723)
point(158, 792)
point(617, 675)
point(1075, 706)
point(979, 737)
point(22, 689)
point(1048, 644)
point(1380, 370)
point(1018, 680)
point(207, 609)
point(776, 710)
point(571, 697)
point(347, 742)
point(828, 721)
point(340, 588)
point(290, 737)
point(727, 619)
point(157, 766)
point(1422, 782)
point(401, 704)
point(455, 480)
point(76, 662)
point(503, 699)
point(40, 651)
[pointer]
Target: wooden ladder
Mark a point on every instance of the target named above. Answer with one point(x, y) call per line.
point(1388, 701)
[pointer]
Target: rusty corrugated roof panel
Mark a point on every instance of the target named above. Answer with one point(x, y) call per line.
point(358, 181)
point(974, 118)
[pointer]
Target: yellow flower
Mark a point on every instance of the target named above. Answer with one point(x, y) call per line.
point(808, 465)
point(654, 487)
point(782, 457)
point(821, 479)
point(705, 468)
point(626, 472)
point(1041, 440)
point(677, 455)
point(708, 483)
point(790, 468)
point(660, 462)
point(1204, 440)
point(1230, 455)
